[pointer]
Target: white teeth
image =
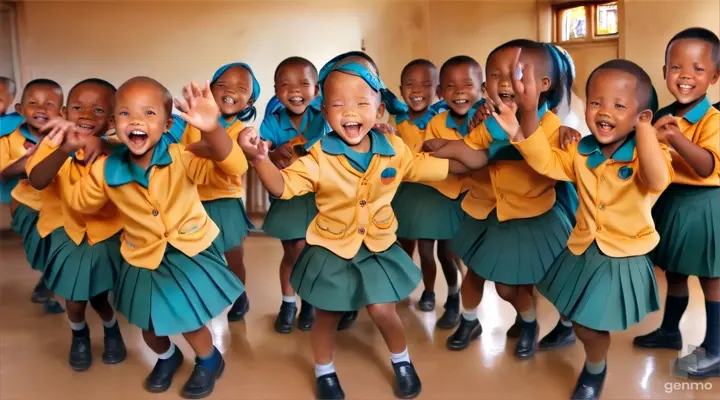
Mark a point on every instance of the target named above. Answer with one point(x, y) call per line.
point(460, 101)
point(506, 95)
point(604, 125)
point(85, 126)
point(138, 133)
point(416, 99)
point(227, 99)
point(296, 99)
point(686, 87)
point(351, 124)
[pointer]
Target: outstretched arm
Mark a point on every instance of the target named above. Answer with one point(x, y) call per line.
point(703, 156)
point(460, 152)
point(655, 168)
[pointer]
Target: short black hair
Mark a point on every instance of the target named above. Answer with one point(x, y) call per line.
point(417, 62)
point(167, 97)
point(42, 82)
point(94, 81)
point(646, 94)
point(298, 61)
point(461, 60)
point(702, 34)
point(12, 88)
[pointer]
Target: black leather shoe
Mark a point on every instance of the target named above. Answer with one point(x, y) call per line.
point(53, 307)
point(307, 316)
point(527, 342)
point(347, 320)
point(660, 339)
point(589, 386)
point(328, 388)
point(115, 351)
point(561, 336)
point(40, 294)
point(202, 381)
point(698, 365)
point(80, 350)
point(161, 376)
point(427, 301)
point(464, 334)
point(514, 331)
point(407, 382)
point(451, 316)
point(239, 308)
point(286, 317)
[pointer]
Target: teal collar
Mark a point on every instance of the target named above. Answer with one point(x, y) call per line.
point(120, 170)
point(333, 144)
point(26, 133)
point(693, 116)
point(462, 129)
point(590, 147)
point(497, 133)
point(500, 148)
point(286, 123)
point(227, 124)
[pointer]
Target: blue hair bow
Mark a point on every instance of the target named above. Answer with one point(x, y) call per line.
point(250, 112)
point(565, 76)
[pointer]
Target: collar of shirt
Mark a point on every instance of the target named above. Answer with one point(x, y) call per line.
point(333, 144)
point(9, 123)
point(590, 147)
point(693, 116)
point(423, 121)
point(120, 169)
point(463, 129)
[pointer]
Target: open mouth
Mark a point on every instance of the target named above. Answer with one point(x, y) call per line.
point(685, 89)
point(417, 99)
point(352, 129)
point(137, 137)
point(296, 101)
point(228, 100)
point(507, 97)
point(40, 117)
point(461, 102)
point(86, 127)
point(604, 127)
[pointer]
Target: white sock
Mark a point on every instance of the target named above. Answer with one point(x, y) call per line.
point(595, 369)
point(77, 326)
point(453, 290)
point(529, 315)
point(169, 353)
point(404, 356)
point(289, 299)
point(111, 323)
point(566, 323)
point(469, 315)
point(326, 369)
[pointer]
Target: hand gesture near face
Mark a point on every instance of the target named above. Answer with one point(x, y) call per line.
point(198, 107)
point(255, 149)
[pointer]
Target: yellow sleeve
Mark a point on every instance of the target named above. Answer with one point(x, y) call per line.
point(5, 153)
point(668, 164)
point(709, 139)
point(479, 138)
point(42, 151)
point(546, 159)
point(423, 167)
point(203, 171)
point(301, 177)
point(432, 131)
point(88, 195)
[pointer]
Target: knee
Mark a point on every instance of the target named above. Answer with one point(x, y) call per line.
point(506, 292)
point(710, 285)
point(674, 279)
point(382, 314)
point(100, 300)
point(586, 334)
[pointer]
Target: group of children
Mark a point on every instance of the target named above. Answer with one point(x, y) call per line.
point(112, 192)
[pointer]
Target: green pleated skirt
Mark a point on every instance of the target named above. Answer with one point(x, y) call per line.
point(79, 273)
point(601, 292)
point(181, 295)
point(514, 252)
point(232, 219)
point(331, 283)
point(289, 219)
point(24, 222)
point(424, 213)
point(688, 221)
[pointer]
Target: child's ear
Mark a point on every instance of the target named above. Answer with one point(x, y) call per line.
point(250, 102)
point(715, 77)
point(168, 124)
point(317, 90)
point(545, 84)
point(664, 72)
point(63, 112)
point(111, 122)
point(323, 109)
point(646, 116)
point(438, 92)
point(380, 111)
point(18, 108)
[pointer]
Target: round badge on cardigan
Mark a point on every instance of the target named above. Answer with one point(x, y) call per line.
point(388, 175)
point(625, 172)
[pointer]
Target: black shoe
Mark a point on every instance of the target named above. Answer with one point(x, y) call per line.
point(80, 350)
point(202, 381)
point(407, 381)
point(41, 294)
point(561, 336)
point(328, 388)
point(589, 386)
point(427, 301)
point(115, 351)
point(465, 333)
point(527, 342)
point(514, 331)
point(53, 307)
point(307, 316)
point(698, 365)
point(239, 308)
point(451, 316)
point(347, 320)
point(660, 339)
point(161, 376)
point(286, 317)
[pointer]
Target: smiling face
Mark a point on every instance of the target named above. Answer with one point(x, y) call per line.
point(690, 69)
point(460, 86)
point(141, 116)
point(6, 97)
point(296, 87)
point(232, 91)
point(418, 87)
point(350, 106)
point(40, 102)
point(90, 108)
point(501, 73)
point(613, 107)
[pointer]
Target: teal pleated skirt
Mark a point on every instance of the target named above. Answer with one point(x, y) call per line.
point(24, 222)
point(79, 273)
point(331, 283)
point(289, 219)
point(232, 219)
point(181, 295)
point(423, 212)
point(688, 221)
point(601, 292)
point(514, 252)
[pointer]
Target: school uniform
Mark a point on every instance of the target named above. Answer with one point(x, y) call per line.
point(352, 259)
point(8, 124)
point(174, 278)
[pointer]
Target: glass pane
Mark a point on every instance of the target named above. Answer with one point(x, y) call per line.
point(607, 19)
point(574, 23)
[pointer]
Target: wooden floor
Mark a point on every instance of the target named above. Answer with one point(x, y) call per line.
point(262, 364)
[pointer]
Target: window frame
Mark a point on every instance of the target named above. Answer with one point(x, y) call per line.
point(591, 16)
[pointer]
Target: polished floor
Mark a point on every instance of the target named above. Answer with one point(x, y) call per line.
point(262, 364)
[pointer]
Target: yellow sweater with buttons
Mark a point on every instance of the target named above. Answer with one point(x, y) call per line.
point(453, 186)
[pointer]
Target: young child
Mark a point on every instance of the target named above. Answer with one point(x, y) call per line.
point(235, 89)
point(8, 90)
point(604, 281)
point(34, 214)
point(84, 254)
point(173, 279)
point(351, 260)
point(286, 121)
point(688, 213)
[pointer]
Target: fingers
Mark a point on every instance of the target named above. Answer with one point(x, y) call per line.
point(206, 92)
point(182, 105)
point(196, 91)
point(528, 77)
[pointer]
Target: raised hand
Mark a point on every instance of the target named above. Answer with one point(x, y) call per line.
point(198, 107)
point(56, 128)
point(385, 128)
point(506, 118)
point(667, 126)
point(282, 155)
point(524, 84)
point(567, 136)
point(255, 149)
point(93, 148)
point(482, 114)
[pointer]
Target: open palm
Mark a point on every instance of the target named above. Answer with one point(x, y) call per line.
point(198, 107)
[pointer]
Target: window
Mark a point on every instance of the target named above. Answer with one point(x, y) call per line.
point(597, 20)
